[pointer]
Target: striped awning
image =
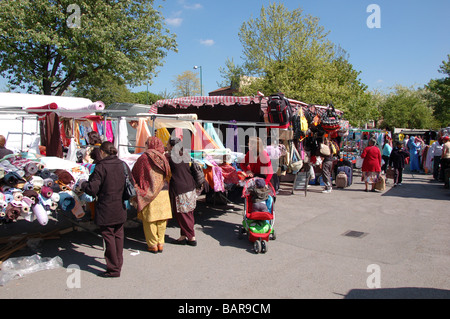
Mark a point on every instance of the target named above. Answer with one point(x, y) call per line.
point(197, 101)
point(184, 102)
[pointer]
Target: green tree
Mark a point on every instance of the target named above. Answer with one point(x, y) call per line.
point(440, 97)
point(289, 52)
point(408, 108)
point(186, 84)
point(48, 45)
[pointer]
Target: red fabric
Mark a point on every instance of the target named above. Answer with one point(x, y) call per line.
point(51, 106)
point(230, 174)
point(372, 159)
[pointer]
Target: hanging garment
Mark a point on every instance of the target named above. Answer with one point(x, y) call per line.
point(201, 140)
point(142, 134)
point(121, 142)
point(210, 130)
point(163, 134)
point(53, 136)
point(109, 132)
point(232, 137)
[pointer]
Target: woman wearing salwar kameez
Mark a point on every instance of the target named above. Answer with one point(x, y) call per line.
point(151, 174)
point(182, 191)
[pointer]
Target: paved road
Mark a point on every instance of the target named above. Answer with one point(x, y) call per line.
point(405, 251)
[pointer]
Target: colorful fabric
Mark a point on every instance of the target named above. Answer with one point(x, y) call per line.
point(149, 172)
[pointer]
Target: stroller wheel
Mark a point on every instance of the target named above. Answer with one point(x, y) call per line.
point(264, 246)
point(273, 235)
point(257, 246)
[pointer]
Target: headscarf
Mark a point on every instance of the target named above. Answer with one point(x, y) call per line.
point(147, 182)
point(155, 152)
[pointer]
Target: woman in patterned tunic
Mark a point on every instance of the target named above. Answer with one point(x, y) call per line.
point(151, 174)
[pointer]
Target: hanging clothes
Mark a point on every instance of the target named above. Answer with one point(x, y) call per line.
point(201, 140)
point(209, 128)
point(163, 134)
point(121, 142)
point(232, 137)
point(109, 132)
point(52, 134)
point(142, 134)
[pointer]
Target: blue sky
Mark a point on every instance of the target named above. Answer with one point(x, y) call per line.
point(412, 42)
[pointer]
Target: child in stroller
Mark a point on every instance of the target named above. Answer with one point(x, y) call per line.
point(258, 213)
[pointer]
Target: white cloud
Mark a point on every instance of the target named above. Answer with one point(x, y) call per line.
point(175, 22)
point(195, 6)
point(188, 6)
point(207, 42)
point(380, 81)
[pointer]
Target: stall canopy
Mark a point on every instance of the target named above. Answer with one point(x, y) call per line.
point(64, 106)
point(214, 108)
point(226, 108)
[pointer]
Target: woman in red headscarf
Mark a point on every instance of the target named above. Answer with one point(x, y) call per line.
point(151, 173)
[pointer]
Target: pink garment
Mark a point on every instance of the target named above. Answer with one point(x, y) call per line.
point(109, 132)
point(217, 176)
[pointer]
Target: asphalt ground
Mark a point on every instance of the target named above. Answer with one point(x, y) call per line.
point(403, 251)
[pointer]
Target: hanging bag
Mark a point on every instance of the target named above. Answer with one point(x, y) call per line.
point(129, 191)
point(279, 109)
point(198, 174)
point(330, 120)
point(324, 150)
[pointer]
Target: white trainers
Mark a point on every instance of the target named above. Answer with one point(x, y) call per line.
point(326, 191)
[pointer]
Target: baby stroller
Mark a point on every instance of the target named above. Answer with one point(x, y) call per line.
point(259, 216)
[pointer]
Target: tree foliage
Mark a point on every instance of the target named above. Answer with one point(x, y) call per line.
point(407, 108)
point(290, 52)
point(41, 51)
point(186, 84)
point(440, 94)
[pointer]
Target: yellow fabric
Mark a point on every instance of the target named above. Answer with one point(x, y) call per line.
point(163, 135)
point(154, 232)
point(158, 209)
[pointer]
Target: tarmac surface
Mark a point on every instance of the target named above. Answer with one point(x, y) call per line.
point(403, 251)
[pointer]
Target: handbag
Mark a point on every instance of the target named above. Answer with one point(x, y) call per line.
point(197, 174)
point(324, 150)
point(390, 172)
point(330, 120)
point(381, 183)
point(129, 191)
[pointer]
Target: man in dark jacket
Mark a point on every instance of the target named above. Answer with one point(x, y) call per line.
point(107, 182)
point(397, 160)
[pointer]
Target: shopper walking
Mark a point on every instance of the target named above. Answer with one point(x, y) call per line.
point(397, 161)
point(445, 158)
point(414, 148)
point(436, 153)
point(182, 191)
point(151, 174)
point(371, 166)
point(107, 182)
point(327, 166)
point(387, 149)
